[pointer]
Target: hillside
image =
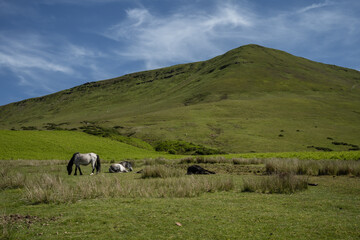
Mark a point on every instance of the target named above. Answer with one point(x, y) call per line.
point(44, 145)
point(251, 98)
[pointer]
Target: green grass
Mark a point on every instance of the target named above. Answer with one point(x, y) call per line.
point(341, 155)
point(241, 101)
point(44, 145)
point(328, 211)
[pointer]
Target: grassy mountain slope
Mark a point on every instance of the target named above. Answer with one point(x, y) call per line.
point(250, 99)
point(42, 145)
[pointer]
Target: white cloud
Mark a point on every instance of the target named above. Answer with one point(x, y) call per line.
point(43, 64)
point(183, 36)
point(186, 36)
point(151, 39)
point(314, 6)
point(79, 2)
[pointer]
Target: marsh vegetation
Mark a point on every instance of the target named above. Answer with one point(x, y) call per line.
point(242, 188)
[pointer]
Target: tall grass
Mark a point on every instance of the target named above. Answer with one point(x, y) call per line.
point(13, 163)
point(161, 171)
point(313, 167)
point(10, 179)
point(156, 161)
point(52, 189)
point(247, 161)
point(277, 183)
point(335, 155)
point(204, 160)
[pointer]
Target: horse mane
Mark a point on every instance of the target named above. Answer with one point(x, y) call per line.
point(127, 164)
point(71, 163)
point(98, 163)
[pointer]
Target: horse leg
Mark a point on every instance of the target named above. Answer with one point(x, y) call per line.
point(80, 171)
point(93, 168)
point(76, 167)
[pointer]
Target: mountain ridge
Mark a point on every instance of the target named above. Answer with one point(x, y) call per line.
point(202, 102)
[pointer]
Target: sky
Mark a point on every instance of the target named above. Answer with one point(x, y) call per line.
point(51, 45)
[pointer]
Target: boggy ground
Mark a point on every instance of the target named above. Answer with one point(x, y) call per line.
point(327, 211)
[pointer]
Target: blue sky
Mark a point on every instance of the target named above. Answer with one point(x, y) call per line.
point(50, 45)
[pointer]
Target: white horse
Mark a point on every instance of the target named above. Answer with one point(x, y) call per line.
point(84, 159)
point(120, 167)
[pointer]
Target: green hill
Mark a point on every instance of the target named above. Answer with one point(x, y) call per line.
point(43, 145)
point(249, 99)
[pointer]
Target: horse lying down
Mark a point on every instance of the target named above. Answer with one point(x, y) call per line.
point(124, 166)
point(196, 169)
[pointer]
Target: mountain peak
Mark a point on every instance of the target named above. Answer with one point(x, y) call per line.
point(236, 102)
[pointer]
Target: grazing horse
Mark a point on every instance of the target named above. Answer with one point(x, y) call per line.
point(84, 159)
point(124, 166)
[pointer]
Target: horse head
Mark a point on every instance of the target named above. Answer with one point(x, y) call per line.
point(71, 163)
point(127, 165)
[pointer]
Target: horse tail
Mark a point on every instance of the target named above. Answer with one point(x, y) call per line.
point(71, 163)
point(98, 163)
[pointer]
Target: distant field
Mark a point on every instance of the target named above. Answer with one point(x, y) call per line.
point(348, 155)
point(41, 145)
point(45, 145)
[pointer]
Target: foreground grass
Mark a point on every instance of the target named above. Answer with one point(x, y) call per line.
point(53, 189)
point(328, 211)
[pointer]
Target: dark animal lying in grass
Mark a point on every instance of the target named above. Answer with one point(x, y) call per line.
point(120, 167)
point(196, 169)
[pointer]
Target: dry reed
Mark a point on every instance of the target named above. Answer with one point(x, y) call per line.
point(52, 189)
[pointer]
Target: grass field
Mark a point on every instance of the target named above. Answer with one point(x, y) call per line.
point(43, 145)
point(328, 211)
